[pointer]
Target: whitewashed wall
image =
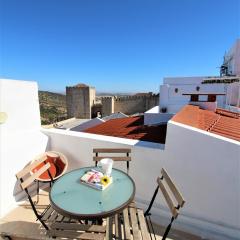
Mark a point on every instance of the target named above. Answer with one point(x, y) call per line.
point(20, 136)
point(78, 146)
point(153, 116)
point(233, 94)
point(156, 118)
point(204, 166)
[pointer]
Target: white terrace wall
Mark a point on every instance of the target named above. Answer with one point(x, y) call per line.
point(78, 146)
point(207, 169)
point(20, 136)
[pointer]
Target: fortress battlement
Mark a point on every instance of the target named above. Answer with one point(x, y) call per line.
point(81, 98)
point(135, 97)
point(106, 98)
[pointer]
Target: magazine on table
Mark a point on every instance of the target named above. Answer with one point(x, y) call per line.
point(96, 179)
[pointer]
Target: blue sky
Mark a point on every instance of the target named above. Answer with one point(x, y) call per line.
point(114, 45)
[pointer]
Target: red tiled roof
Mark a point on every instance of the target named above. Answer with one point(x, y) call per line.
point(132, 128)
point(221, 122)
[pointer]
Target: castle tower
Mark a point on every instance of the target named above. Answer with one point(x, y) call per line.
point(107, 106)
point(80, 99)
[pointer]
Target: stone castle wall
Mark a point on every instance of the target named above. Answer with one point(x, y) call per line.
point(81, 103)
point(152, 101)
point(129, 104)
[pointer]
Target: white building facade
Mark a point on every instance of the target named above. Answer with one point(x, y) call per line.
point(171, 91)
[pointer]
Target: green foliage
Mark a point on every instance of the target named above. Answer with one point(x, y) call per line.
point(52, 107)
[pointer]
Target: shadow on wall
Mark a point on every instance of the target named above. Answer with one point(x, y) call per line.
point(155, 134)
point(138, 121)
point(150, 145)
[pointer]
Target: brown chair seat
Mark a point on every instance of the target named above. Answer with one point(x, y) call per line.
point(134, 224)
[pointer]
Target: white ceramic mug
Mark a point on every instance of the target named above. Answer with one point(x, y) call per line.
point(106, 164)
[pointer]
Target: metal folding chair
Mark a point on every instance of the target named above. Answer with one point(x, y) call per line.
point(166, 185)
point(134, 223)
point(56, 224)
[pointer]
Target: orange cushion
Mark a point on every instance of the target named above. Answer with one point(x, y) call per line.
point(45, 175)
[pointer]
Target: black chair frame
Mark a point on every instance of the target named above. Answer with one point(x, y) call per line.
point(147, 213)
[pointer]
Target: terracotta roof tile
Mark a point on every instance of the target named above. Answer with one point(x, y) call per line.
point(221, 122)
point(131, 128)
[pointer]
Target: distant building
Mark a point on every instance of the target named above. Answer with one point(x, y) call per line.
point(176, 92)
point(80, 99)
point(231, 63)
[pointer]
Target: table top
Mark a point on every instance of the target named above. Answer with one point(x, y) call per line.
point(73, 199)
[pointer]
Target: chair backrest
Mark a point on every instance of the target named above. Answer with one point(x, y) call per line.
point(172, 195)
point(116, 154)
point(26, 178)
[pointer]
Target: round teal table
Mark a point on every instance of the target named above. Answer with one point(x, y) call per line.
point(73, 199)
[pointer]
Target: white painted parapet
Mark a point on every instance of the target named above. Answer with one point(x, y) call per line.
point(153, 117)
point(164, 97)
point(20, 136)
point(204, 166)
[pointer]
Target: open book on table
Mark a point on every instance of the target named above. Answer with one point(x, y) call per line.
point(96, 179)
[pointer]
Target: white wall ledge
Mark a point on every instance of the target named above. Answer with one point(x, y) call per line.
point(205, 132)
point(126, 141)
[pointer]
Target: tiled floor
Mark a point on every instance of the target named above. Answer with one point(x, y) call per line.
point(21, 224)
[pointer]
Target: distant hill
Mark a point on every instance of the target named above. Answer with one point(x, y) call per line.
point(52, 107)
